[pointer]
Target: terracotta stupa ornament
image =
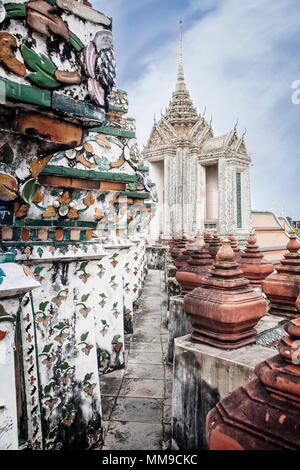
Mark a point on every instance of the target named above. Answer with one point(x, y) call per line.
point(234, 246)
point(198, 267)
point(282, 288)
point(207, 237)
point(214, 245)
point(185, 256)
point(173, 242)
point(265, 414)
point(179, 247)
point(225, 308)
point(253, 264)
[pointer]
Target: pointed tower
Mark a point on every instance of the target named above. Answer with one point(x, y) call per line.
point(202, 180)
point(181, 106)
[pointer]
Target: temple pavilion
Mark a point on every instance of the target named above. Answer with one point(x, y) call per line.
point(203, 180)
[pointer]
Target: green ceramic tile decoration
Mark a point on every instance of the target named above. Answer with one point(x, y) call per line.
point(16, 10)
point(6, 154)
point(18, 244)
point(82, 235)
point(66, 235)
point(86, 224)
point(19, 223)
point(37, 223)
point(51, 235)
point(78, 108)
point(99, 175)
point(117, 108)
point(64, 223)
point(143, 168)
point(238, 200)
point(17, 234)
point(75, 41)
point(7, 218)
point(112, 131)
point(7, 257)
point(136, 195)
point(43, 68)
point(33, 234)
point(26, 94)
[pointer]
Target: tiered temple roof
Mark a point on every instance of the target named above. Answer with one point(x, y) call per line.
point(182, 121)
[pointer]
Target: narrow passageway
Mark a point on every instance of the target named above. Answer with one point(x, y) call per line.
point(136, 401)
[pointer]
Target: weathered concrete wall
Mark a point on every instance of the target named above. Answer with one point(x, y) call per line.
point(202, 375)
point(75, 203)
point(156, 257)
point(179, 323)
point(15, 281)
point(173, 289)
point(8, 406)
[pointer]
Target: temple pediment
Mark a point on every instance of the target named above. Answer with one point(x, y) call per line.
point(157, 138)
point(229, 141)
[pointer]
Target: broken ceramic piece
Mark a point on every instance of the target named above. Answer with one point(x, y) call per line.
point(84, 11)
point(7, 56)
point(41, 18)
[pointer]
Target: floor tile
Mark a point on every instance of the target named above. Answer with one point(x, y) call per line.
point(142, 410)
point(144, 371)
point(137, 401)
point(133, 436)
point(142, 388)
point(137, 357)
point(146, 347)
point(145, 338)
point(109, 385)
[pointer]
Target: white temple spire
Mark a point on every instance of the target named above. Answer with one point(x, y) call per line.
point(180, 85)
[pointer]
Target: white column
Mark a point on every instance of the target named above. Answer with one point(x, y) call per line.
point(166, 200)
point(222, 195)
point(201, 195)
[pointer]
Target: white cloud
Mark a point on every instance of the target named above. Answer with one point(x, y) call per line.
point(237, 63)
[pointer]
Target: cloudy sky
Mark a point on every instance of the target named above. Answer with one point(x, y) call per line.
point(240, 61)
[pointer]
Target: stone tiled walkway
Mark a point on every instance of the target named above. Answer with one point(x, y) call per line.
point(136, 401)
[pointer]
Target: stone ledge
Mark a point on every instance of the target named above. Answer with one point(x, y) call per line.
point(202, 376)
point(247, 356)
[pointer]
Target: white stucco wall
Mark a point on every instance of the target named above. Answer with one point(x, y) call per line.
point(156, 172)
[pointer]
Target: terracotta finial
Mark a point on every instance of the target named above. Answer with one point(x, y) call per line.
point(184, 256)
point(225, 253)
point(235, 247)
point(272, 401)
point(282, 288)
point(293, 244)
point(224, 309)
point(252, 239)
point(207, 237)
point(189, 277)
point(214, 245)
point(281, 374)
point(253, 264)
point(178, 248)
